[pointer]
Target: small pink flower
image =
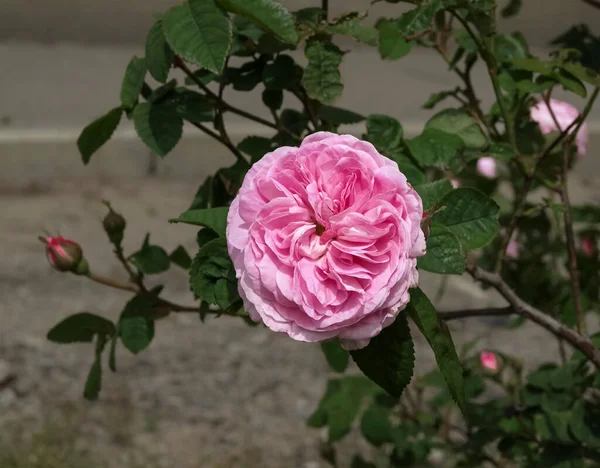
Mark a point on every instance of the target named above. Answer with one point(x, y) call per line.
point(324, 239)
point(63, 254)
point(455, 183)
point(565, 114)
point(489, 361)
point(487, 167)
point(512, 249)
point(587, 245)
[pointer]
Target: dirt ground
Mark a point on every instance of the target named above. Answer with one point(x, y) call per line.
point(213, 395)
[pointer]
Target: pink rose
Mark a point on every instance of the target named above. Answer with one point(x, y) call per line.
point(62, 254)
point(565, 114)
point(489, 361)
point(487, 167)
point(512, 249)
point(324, 239)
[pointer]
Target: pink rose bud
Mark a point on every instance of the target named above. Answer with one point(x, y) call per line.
point(63, 254)
point(489, 361)
point(487, 167)
point(588, 247)
point(512, 249)
point(565, 114)
point(324, 239)
point(455, 183)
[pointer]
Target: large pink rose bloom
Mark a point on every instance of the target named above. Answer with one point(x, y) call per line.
point(324, 239)
point(565, 114)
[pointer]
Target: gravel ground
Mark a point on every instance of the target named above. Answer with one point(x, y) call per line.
point(219, 394)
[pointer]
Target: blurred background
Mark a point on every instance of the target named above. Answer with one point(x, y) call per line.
point(204, 395)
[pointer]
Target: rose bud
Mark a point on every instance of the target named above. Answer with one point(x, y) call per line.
point(455, 183)
point(324, 239)
point(588, 247)
point(63, 254)
point(565, 114)
point(489, 361)
point(114, 225)
point(487, 167)
point(512, 249)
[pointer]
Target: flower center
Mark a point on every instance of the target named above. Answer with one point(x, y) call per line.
point(319, 229)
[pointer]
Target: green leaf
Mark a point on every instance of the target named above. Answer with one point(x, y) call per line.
point(112, 356)
point(414, 175)
point(435, 147)
point(273, 98)
point(159, 56)
point(375, 425)
point(193, 106)
point(389, 358)
point(212, 276)
point(181, 258)
point(97, 133)
point(584, 427)
point(322, 79)
point(341, 404)
point(392, 45)
point(532, 64)
point(133, 82)
point(436, 332)
point(353, 27)
point(444, 253)
point(256, 147)
point(460, 123)
point(384, 132)
point(282, 73)
point(136, 327)
point(433, 192)
point(212, 218)
point(270, 15)
point(338, 116)
point(436, 98)
point(93, 383)
point(511, 9)
point(470, 215)
point(199, 32)
point(419, 18)
point(80, 328)
point(552, 426)
point(571, 83)
point(158, 125)
point(151, 259)
point(336, 356)
point(584, 74)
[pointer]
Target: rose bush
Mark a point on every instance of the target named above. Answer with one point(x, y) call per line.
point(324, 239)
point(323, 235)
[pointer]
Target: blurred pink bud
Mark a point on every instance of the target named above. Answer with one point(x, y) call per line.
point(455, 183)
point(512, 249)
point(489, 360)
point(487, 167)
point(587, 245)
point(565, 114)
point(63, 254)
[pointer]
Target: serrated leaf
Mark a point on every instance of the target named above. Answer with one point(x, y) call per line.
point(282, 73)
point(212, 218)
point(97, 133)
point(337, 357)
point(151, 259)
point(392, 45)
point(136, 328)
point(470, 215)
point(112, 356)
point(199, 32)
point(460, 123)
point(444, 253)
point(354, 28)
point(338, 116)
point(256, 147)
point(193, 106)
point(341, 404)
point(133, 82)
point(159, 56)
point(181, 258)
point(584, 426)
point(158, 125)
point(270, 15)
point(322, 79)
point(433, 192)
point(389, 358)
point(375, 425)
point(436, 332)
point(419, 18)
point(212, 276)
point(435, 147)
point(93, 383)
point(384, 131)
point(571, 83)
point(80, 328)
point(273, 98)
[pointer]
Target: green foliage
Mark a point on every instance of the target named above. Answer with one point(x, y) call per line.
point(136, 326)
point(461, 124)
point(151, 259)
point(435, 147)
point(389, 358)
point(211, 218)
point(392, 45)
point(444, 253)
point(180, 257)
point(436, 332)
point(158, 125)
point(322, 79)
point(97, 133)
point(433, 192)
point(384, 132)
point(336, 356)
point(159, 56)
point(133, 82)
point(81, 328)
point(199, 32)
